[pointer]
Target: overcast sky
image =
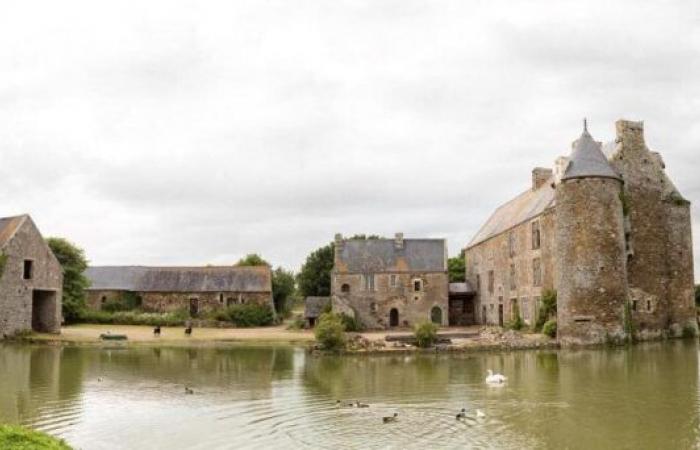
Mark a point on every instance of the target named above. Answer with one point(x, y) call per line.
point(168, 132)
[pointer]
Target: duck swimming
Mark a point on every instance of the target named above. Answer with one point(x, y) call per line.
point(462, 414)
point(388, 419)
point(361, 405)
point(189, 390)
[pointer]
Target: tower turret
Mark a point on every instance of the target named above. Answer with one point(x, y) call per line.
point(590, 251)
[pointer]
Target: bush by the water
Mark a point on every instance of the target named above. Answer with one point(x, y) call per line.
point(18, 438)
point(550, 328)
point(689, 331)
point(350, 323)
point(547, 308)
point(330, 331)
point(249, 315)
point(172, 319)
point(426, 334)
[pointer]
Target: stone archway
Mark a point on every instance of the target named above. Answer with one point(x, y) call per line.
point(436, 315)
point(394, 317)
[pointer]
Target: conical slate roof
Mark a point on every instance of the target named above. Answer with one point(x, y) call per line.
point(587, 160)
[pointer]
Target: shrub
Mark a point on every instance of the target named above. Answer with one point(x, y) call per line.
point(350, 323)
point(689, 331)
point(330, 332)
point(171, 319)
point(426, 334)
point(250, 315)
point(550, 328)
point(517, 323)
point(547, 309)
point(15, 437)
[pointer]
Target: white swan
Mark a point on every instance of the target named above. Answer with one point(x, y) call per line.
point(480, 414)
point(495, 378)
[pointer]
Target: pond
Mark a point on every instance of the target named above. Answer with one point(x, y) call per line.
point(280, 397)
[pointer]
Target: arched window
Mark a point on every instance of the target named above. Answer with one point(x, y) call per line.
point(345, 288)
point(436, 315)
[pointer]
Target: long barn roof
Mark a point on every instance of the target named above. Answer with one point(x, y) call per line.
point(181, 279)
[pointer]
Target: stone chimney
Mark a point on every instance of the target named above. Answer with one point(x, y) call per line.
point(339, 242)
point(630, 133)
point(540, 175)
point(398, 241)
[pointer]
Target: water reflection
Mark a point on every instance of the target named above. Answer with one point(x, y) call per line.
point(643, 397)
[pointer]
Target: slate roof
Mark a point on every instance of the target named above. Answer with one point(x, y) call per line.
point(313, 306)
point(8, 227)
point(181, 279)
point(587, 160)
point(381, 255)
point(525, 206)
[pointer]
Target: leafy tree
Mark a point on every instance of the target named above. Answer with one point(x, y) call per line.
point(456, 268)
point(283, 289)
point(252, 259)
point(314, 279)
point(74, 263)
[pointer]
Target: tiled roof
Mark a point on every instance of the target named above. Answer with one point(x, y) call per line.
point(525, 206)
point(382, 255)
point(588, 161)
point(313, 306)
point(8, 227)
point(181, 279)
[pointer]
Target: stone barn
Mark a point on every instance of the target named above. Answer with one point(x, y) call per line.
point(391, 282)
point(31, 279)
point(313, 308)
point(167, 289)
point(607, 229)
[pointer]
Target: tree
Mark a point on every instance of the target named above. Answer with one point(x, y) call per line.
point(283, 288)
point(252, 259)
point(314, 279)
point(330, 332)
point(74, 263)
point(456, 268)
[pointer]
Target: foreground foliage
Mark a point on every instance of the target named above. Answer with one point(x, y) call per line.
point(73, 262)
point(330, 332)
point(18, 438)
point(426, 334)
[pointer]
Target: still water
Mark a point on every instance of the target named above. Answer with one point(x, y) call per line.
point(280, 397)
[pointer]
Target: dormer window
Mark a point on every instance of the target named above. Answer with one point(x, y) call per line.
point(28, 269)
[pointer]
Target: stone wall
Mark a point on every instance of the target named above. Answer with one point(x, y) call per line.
point(512, 247)
point(591, 261)
point(206, 301)
point(16, 293)
point(95, 299)
point(373, 308)
point(660, 264)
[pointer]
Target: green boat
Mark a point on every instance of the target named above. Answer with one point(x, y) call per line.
point(113, 337)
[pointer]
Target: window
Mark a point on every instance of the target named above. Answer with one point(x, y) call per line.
point(536, 272)
point(513, 283)
point(648, 305)
point(104, 299)
point(373, 307)
point(511, 244)
point(393, 280)
point(345, 288)
point(478, 283)
point(634, 305)
point(536, 235)
point(417, 285)
point(491, 281)
point(221, 298)
point(28, 269)
point(525, 309)
point(369, 281)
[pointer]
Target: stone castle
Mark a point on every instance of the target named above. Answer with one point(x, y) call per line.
point(606, 229)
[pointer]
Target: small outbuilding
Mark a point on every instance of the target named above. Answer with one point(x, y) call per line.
point(31, 279)
point(313, 308)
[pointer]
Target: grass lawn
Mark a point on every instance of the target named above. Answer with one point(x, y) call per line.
point(17, 438)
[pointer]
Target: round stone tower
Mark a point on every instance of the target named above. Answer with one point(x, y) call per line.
point(591, 273)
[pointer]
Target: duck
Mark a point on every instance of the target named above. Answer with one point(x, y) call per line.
point(338, 404)
point(495, 378)
point(361, 405)
point(388, 419)
point(189, 390)
point(462, 414)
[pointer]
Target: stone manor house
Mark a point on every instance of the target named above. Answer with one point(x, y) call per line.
point(167, 289)
point(31, 280)
point(607, 229)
